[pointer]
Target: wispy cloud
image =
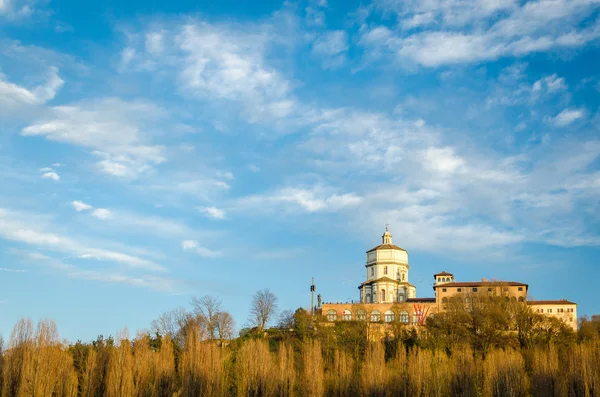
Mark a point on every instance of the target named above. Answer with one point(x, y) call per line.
point(80, 206)
point(213, 212)
point(468, 31)
point(102, 213)
point(194, 246)
point(117, 131)
point(566, 117)
point(13, 227)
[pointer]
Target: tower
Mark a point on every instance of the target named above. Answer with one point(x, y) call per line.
point(387, 273)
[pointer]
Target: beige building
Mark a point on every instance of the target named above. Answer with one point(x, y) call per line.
point(387, 295)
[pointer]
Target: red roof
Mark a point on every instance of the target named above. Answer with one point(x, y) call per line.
point(444, 273)
point(481, 284)
point(558, 302)
point(386, 247)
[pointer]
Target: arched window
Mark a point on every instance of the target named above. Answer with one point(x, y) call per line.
point(385, 270)
point(331, 315)
point(361, 315)
point(459, 300)
point(401, 297)
point(521, 299)
point(368, 297)
point(444, 300)
point(467, 300)
point(513, 299)
point(439, 279)
point(346, 315)
point(383, 295)
point(389, 316)
point(404, 318)
point(375, 316)
point(403, 276)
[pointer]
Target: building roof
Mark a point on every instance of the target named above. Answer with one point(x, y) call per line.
point(444, 273)
point(480, 284)
point(424, 300)
point(556, 302)
point(386, 247)
point(384, 278)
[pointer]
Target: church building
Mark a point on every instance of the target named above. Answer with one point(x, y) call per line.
point(387, 295)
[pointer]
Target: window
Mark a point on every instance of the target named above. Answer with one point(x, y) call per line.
point(375, 316)
point(403, 276)
point(520, 288)
point(361, 315)
point(331, 315)
point(347, 315)
point(513, 299)
point(404, 317)
point(521, 299)
point(383, 295)
point(489, 290)
point(389, 316)
point(385, 270)
point(443, 289)
point(439, 279)
point(445, 300)
point(474, 289)
point(467, 300)
point(459, 289)
point(541, 310)
point(369, 298)
point(446, 279)
point(549, 310)
point(372, 271)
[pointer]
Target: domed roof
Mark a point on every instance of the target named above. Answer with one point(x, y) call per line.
point(386, 243)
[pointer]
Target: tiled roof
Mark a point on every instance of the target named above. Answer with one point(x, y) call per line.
point(557, 302)
point(444, 273)
point(415, 300)
point(386, 247)
point(481, 284)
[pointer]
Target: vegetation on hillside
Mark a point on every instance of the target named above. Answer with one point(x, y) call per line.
point(494, 350)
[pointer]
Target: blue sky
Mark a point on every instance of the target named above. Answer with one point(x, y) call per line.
point(154, 151)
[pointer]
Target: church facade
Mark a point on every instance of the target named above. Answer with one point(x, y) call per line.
point(387, 295)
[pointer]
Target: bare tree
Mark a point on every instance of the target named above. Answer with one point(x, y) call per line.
point(264, 306)
point(206, 308)
point(223, 323)
point(172, 322)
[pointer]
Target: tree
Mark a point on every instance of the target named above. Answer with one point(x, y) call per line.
point(172, 322)
point(224, 325)
point(264, 306)
point(207, 308)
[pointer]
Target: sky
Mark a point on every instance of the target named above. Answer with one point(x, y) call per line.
point(154, 151)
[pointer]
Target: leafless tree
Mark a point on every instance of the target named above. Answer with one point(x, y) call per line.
point(264, 306)
point(206, 308)
point(224, 325)
point(173, 323)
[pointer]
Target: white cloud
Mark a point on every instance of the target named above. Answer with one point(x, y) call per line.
point(189, 244)
point(469, 31)
point(331, 48)
point(308, 200)
point(551, 84)
point(81, 206)
point(194, 246)
point(13, 96)
point(3, 269)
point(51, 175)
point(102, 213)
point(214, 212)
point(21, 228)
point(443, 160)
point(146, 281)
point(118, 131)
point(567, 116)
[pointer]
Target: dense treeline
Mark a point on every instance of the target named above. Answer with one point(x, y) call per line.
point(185, 354)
